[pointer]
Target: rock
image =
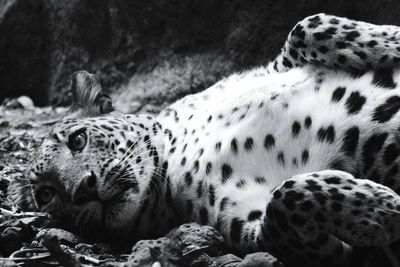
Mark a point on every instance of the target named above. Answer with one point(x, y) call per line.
point(22, 102)
point(227, 260)
point(26, 102)
point(203, 261)
point(195, 239)
point(163, 250)
point(260, 259)
point(11, 103)
point(64, 237)
point(100, 251)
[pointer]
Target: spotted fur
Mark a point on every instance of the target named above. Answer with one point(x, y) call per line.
point(299, 158)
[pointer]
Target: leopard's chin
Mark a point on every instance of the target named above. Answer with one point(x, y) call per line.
point(111, 221)
point(89, 221)
point(100, 223)
point(118, 215)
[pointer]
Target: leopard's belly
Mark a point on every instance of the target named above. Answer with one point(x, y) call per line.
point(240, 140)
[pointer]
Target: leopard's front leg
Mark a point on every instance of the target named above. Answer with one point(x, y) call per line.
point(316, 218)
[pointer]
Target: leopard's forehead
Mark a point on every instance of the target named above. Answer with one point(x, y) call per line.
point(105, 133)
point(108, 123)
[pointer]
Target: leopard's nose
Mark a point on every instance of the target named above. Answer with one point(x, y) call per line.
point(86, 190)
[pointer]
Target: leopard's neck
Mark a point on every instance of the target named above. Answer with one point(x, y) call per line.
point(158, 213)
point(185, 186)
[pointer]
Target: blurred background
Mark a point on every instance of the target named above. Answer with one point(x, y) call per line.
point(150, 52)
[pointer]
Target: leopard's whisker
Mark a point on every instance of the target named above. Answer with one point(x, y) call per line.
point(141, 146)
point(133, 144)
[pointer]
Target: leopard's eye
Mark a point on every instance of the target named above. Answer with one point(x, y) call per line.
point(77, 141)
point(44, 195)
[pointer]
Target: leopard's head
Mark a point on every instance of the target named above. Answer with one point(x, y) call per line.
point(96, 166)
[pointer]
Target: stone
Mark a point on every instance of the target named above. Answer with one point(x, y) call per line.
point(22, 102)
point(63, 236)
point(26, 102)
point(197, 239)
point(260, 259)
point(164, 250)
point(227, 260)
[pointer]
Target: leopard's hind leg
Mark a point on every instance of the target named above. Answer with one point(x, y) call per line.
point(339, 43)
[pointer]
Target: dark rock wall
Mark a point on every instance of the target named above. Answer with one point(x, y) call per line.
point(23, 49)
point(43, 41)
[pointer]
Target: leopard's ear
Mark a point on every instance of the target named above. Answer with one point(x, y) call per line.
point(20, 194)
point(87, 95)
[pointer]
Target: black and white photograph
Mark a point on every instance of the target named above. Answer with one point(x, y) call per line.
point(200, 133)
